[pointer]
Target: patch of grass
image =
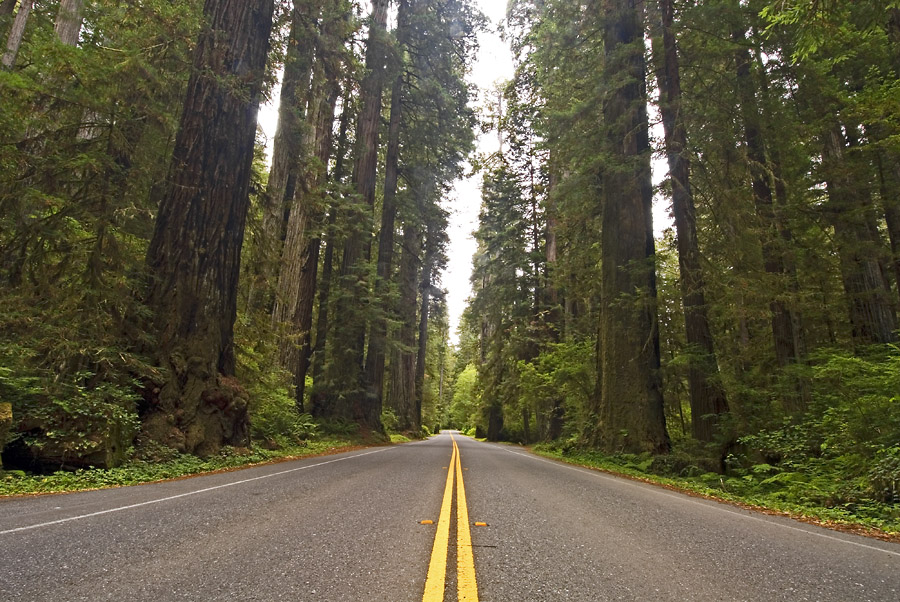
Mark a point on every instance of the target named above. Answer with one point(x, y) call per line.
point(140, 471)
point(398, 438)
point(761, 492)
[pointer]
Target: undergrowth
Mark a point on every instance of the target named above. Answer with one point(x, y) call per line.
point(761, 485)
point(164, 466)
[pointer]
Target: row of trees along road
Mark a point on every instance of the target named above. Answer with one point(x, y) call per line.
point(161, 285)
point(760, 329)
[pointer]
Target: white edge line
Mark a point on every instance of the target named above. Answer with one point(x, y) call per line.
point(182, 495)
point(686, 498)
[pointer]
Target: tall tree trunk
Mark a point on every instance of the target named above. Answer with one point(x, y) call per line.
point(554, 312)
point(350, 332)
point(303, 316)
point(194, 255)
point(68, 21)
point(889, 183)
point(402, 393)
point(292, 310)
point(16, 34)
point(708, 401)
point(425, 291)
point(287, 148)
point(784, 322)
point(300, 257)
point(631, 404)
point(375, 356)
point(871, 315)
point(318, 396)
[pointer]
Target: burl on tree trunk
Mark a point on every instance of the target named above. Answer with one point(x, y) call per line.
point(194, 256)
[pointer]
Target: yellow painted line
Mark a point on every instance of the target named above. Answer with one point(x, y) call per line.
point(437, 568)
point(466, 586)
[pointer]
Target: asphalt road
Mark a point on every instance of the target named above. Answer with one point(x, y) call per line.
point(347, 527)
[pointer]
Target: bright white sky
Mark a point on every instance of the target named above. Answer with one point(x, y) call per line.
point(494, 65)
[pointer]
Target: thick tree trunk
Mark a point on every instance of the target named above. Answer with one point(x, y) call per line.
point(300, 258)
point(14, 41)
point(375, 356)
point(350, 333)
point(402, 394)
point(871, 316)
point(631, 404)
point(708, 401)
point(68, 21)
point(194, 256)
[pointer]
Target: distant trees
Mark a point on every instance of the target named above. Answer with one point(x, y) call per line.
point(189, 295)
point(776, 267)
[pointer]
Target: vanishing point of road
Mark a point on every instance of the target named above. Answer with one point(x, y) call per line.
point(444, 519)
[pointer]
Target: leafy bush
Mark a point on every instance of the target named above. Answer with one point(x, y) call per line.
point(389, 420)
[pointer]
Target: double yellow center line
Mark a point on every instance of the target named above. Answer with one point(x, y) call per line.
point(466, 586)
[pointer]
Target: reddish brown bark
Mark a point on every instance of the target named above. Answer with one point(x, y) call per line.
point(194, 255)
point(630, 404)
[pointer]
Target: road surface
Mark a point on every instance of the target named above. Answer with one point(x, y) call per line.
point(350, 527)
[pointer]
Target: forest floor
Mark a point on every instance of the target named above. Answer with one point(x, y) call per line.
point(141, 471)
point(883, 523)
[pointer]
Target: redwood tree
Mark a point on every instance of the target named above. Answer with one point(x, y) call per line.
point(708, 399)
point(631, 404)
point(194, 255)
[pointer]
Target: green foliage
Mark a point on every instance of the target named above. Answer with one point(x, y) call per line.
point(797, 493)
point(389, 420)
point(465, 404)
point(159, 464)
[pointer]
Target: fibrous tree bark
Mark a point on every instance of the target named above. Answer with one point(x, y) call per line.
point(708, 401)
point(630, 408)
point(295, 296)
point(194, 255)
